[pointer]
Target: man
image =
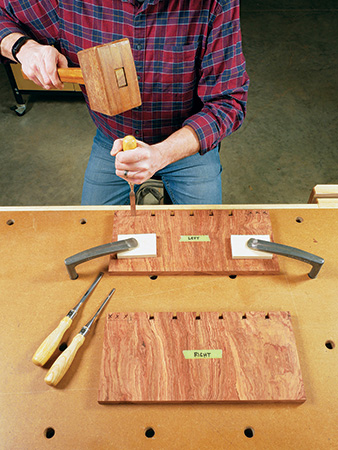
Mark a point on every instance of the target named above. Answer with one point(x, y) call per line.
point(192, 77)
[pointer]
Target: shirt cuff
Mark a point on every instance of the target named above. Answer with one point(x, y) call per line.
point(5, 32)
point(206, 129)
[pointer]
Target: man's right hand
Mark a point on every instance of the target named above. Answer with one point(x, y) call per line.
point(39, 62)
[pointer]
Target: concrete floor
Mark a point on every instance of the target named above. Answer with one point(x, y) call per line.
point(288, 142)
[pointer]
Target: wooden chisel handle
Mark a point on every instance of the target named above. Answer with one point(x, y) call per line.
point(50, 344)
point(68, 75)
point(129, 143)
point(64, 361)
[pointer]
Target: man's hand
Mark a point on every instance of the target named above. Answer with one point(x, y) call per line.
point(39, 62)
point(141, 163)
point(145, 160)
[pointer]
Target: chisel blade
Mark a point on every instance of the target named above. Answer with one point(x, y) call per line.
point(132, 200)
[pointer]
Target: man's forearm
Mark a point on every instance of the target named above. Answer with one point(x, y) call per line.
point(39, 62)
point(7, 43)
point(182, 143)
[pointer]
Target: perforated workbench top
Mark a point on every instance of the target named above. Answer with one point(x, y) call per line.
point(36, 293)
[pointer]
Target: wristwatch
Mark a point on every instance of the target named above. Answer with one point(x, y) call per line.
point(17, 46)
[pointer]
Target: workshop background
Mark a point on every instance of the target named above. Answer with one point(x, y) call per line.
point(287, 144)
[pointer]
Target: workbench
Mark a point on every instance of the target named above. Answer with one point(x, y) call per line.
point(36, 293)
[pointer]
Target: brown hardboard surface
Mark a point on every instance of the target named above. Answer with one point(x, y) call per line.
point(36, 293)
point(178, 253)
point(207, 357)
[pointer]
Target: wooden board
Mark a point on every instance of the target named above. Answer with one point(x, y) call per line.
point(207, 357)
point(205, 248)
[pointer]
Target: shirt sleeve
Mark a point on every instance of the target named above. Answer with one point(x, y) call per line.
point(223, 84)
point(39, 20)
point(8, 22)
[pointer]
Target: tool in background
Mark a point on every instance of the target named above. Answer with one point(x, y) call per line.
point(50, 344)
point(129, 143)
point(64, 361)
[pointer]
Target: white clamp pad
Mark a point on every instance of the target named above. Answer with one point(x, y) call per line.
point(240, 250)
point(146, 246)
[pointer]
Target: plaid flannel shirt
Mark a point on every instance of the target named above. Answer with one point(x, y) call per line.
point(188, 57)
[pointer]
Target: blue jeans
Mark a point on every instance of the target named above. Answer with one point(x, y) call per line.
point(192, 180)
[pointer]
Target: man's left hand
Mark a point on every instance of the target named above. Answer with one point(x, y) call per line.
point(140, 164)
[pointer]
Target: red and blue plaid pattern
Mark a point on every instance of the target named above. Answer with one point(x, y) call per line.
point(187, 53)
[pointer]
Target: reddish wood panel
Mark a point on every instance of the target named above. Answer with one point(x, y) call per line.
point(193, 257)
point(143, 360)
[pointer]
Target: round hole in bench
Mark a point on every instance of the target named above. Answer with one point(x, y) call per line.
point(49, 432)
point(330, 345)
point(249, 432)
point(150, 432)
point(63, 346)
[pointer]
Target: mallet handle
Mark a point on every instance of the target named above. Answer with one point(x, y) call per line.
point(68, 75)
point(71, 75)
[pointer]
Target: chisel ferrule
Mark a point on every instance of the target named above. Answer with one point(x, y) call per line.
point(72, 313)
point(84, 330)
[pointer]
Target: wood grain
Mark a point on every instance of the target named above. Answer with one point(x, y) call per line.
point(143, 361)
point(193, 257)
point(102, 67)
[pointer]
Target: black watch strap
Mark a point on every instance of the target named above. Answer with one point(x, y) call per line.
point(17, 45)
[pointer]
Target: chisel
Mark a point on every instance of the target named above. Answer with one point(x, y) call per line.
point(49, 345)
point(129, 143)
point(62, 364)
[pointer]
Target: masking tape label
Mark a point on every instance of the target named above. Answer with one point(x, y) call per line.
point(202, 354)
point(195, 238)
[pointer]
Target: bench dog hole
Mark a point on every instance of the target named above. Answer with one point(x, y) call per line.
point(330, 345)
point(153, 277)
point(150, 432)
point(249, 432)
point(49, 432)
point(10, 222)
point(63, 346)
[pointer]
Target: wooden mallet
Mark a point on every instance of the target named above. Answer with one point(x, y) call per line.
point(109, 74)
